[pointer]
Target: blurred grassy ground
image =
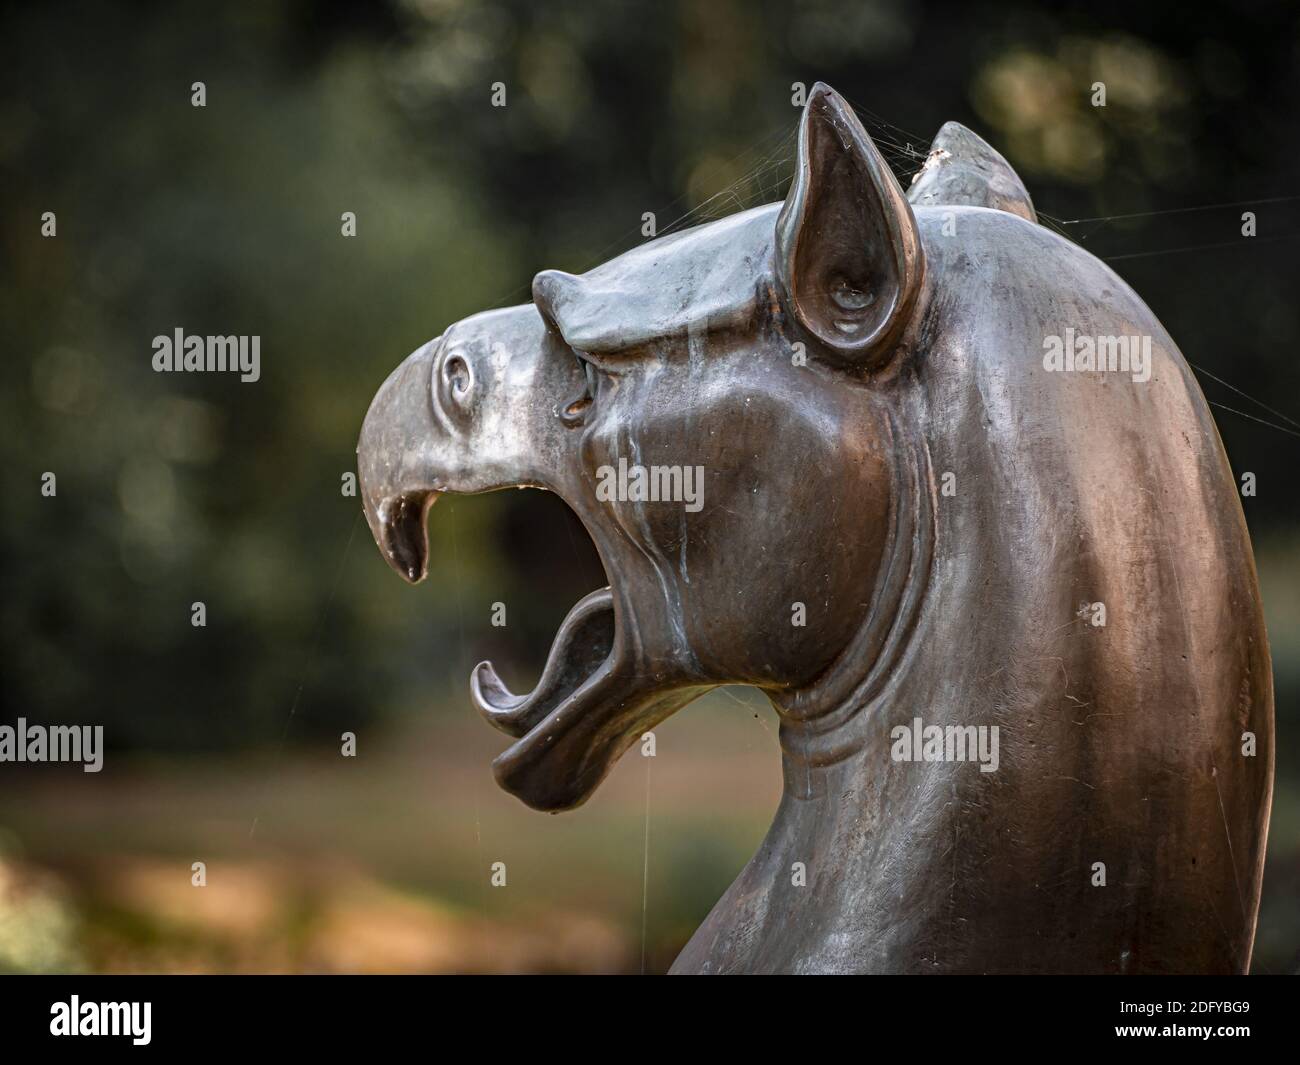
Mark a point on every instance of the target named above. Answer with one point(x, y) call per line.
point(382, 863)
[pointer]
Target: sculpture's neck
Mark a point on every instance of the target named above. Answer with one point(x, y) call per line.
point(837, 832)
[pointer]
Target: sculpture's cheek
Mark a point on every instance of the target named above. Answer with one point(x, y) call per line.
point(753, 525)
point(781, 585)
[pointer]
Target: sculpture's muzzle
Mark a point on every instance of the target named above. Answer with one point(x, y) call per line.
point(471, 411)
point(395, 464)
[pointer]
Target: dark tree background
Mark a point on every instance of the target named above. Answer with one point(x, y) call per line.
point(226, 219)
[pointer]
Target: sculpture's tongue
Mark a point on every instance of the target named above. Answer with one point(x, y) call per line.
point(581, 646)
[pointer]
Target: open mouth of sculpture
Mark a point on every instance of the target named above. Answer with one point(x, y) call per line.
point(586, 707)
point(579, 653)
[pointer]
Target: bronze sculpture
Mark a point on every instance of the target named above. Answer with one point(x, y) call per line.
point(938, 502)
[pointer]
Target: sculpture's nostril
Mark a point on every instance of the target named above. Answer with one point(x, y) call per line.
point(456, 372)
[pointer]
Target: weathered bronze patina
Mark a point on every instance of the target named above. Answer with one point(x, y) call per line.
point(902, 441)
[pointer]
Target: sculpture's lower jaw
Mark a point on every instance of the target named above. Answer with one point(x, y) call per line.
point(596, 697)
point(558, 764)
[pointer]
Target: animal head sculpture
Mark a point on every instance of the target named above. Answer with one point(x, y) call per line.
point(855, 449)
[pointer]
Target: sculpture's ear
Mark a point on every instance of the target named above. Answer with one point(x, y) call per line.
point(962, 169)
point(848, 257)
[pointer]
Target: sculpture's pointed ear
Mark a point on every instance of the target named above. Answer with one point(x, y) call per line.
point(848, 257)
